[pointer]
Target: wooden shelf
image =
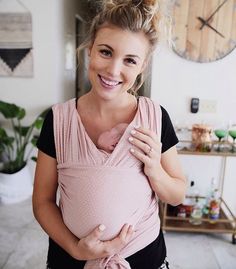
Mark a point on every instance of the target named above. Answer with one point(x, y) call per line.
point(221, 225)
point(188, 149)
point(210, 153)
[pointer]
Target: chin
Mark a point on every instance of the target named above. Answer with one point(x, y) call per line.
point(109, 94)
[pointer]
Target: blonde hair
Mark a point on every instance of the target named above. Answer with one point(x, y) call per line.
point(133, 15)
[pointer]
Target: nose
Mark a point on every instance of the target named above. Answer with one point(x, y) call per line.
point(114, 68)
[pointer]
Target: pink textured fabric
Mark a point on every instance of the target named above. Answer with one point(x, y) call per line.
point(97, 187)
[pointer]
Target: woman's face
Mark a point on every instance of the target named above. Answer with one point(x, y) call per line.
point(116, 58)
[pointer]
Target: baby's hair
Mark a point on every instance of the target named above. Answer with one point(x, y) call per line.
point(133, 15)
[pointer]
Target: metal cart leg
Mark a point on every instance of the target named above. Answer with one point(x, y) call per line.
point(234, 239)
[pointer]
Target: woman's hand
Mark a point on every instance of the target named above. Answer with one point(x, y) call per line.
point(147, 149)
point(162, 169)
point(91, 247)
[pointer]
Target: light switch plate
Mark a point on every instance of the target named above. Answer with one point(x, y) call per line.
point(208, 106)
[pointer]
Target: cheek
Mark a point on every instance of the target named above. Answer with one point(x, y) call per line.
point(92, 65)
point(96, 65)
point(131, 76)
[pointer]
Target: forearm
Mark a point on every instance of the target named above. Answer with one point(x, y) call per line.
point(169, 189)
point(49, 217)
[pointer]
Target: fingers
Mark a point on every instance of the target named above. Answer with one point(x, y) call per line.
point(136, 135)
point(97, 232)
point(140, 156)
point(155, 137)
point(91, 247)
point(125, 235)
point(145, 140)
point(140, 144)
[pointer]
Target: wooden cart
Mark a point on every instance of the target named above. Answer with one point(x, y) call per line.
point(226, 222)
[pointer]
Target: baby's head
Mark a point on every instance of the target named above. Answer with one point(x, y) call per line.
point(109, 139)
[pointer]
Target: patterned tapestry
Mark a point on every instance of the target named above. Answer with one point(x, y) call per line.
point(16, 57)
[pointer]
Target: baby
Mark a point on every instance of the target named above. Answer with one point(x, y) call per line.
point(109, 139)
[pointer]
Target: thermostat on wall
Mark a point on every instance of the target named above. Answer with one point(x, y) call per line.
point(194, 107)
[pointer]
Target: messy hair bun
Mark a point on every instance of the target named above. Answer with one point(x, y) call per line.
point(133, 15)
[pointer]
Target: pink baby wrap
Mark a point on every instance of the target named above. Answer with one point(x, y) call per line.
point(97, 187)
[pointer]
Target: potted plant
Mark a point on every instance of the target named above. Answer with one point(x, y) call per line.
point(16, 145)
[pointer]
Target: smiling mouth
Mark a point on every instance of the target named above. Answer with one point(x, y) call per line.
point(111, 83)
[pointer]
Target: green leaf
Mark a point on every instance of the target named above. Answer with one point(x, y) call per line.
point(21, 114)
point(23, 130)
point(40, 119)
point(34, 140)
point(5, 139)
point(2, 133)
point(38, 123)
point(34, 159)
point(10, 111)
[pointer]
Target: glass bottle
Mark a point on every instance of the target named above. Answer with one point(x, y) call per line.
point(209, 197)
point(189, 200)
point(196, 215)
point(214, 206)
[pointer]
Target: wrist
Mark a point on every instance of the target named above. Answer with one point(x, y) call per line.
point(157, 175)
point(74, 249)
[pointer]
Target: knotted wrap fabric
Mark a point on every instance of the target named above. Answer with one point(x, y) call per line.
point(112, 262)
point(97, 187)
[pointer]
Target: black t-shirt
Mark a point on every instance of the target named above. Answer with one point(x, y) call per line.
point(153, 255)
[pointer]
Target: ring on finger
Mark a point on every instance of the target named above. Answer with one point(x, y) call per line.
point(150, 150)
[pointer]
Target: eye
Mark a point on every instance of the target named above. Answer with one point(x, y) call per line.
point(131, 61)
point(105, 52)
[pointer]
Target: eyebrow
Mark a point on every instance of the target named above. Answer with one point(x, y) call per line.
point(109, 47)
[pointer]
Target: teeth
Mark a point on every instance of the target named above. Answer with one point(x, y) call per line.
point(109, 82)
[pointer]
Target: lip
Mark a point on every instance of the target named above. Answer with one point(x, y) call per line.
point(108, 83)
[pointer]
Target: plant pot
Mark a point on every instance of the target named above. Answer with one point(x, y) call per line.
point(15, 187)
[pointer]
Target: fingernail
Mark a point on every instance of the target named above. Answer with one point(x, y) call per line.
point(130, 138)
point(137, 126)
point(131, 227)
point(102, 227)
point(133, 132)
point(132, 150)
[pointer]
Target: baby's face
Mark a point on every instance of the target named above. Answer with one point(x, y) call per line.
point(109, 139)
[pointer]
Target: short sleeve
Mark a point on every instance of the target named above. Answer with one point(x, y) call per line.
point(168, 135)
point(46, 141)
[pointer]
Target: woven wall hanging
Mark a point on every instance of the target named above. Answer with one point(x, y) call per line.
point(16, 58)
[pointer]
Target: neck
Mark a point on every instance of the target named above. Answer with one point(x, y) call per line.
point(102, 107)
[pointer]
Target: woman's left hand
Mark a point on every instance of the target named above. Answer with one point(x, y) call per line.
point(147, 149)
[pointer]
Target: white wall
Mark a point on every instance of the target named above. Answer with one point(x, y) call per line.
point(174, 81)
point(53, 25)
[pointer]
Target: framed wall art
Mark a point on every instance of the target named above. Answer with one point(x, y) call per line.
point(16, 57)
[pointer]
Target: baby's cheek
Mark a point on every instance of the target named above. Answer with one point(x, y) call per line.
point(105, 141)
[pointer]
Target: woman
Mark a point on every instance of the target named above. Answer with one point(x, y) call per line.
point(110, 154)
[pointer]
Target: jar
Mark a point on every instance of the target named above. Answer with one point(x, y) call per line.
point(201, 137)
point(181, 211)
